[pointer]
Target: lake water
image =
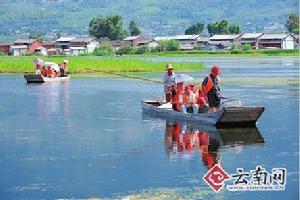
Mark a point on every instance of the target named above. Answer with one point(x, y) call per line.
point(87, 138)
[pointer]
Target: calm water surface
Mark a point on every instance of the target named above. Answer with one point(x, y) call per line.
point(88, 138)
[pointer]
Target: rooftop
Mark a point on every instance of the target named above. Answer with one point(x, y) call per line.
point(132, 38)
point(3, 43)
point(65, 39)
point(224, 37)
point(251, 35)
point(18, 47)
point(274, 36)
point(25, 41)
point(82, 39)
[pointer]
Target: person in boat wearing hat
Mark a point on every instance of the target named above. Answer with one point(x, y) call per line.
point(169, 80)
point(63, 67)
point(211, 88)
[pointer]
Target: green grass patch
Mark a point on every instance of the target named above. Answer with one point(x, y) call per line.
point(94, 64)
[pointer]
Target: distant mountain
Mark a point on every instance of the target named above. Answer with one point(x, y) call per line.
point(155, 17)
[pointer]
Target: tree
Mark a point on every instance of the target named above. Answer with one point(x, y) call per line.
point(213, 28)
point(104, 49)
point(194, 29)
point(172, 45)
point(110, 27)
point(162, 45)
point(234, 29)
point(134, 29)
point(292, 24)
point(222, 28)
point(125, 49)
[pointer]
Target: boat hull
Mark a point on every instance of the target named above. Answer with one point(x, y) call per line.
point(37, 78)
point(226, 117)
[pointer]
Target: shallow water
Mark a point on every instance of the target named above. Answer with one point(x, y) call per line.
point(87, 138)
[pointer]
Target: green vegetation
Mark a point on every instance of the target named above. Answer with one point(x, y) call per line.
point(194, 29)
point(134, 29)
point(292, 24)
point(94, 64)
point(105, 49)
point(222, 28)
point(107, 27)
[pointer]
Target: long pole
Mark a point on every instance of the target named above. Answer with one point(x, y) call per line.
point(127, 76)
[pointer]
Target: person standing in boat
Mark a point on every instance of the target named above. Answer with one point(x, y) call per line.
point(169, 80)
point(63, 67)
point(211, 87)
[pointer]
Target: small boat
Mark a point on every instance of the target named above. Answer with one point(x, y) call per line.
point(37, 78)
point(242, 116)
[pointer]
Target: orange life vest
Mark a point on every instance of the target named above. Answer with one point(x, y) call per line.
point(209, 85)
point(185, 99)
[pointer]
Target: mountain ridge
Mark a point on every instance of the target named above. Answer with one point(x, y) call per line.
point(153, 16)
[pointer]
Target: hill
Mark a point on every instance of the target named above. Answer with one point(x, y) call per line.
point(155, 17)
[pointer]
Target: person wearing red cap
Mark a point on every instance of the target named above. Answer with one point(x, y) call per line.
point(211, 87)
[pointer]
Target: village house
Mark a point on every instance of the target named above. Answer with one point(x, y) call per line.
point(82, 45)
point(63, 44)
point(50, 48)
point(48, 44)
point(250, 38)
point(18, 50)
point(217, 45)
point(201, 41)
point(136, 40)
point(116, 44)
point(4, 47)
point(25, 46)
point(186, 42)
point(31, 44)
point(221, 41)
point(276, 41)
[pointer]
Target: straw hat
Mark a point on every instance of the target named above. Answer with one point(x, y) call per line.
point(169, 66)
point(66, 61)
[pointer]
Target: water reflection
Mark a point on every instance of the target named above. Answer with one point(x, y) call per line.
point(183, 140)
point(53, 99)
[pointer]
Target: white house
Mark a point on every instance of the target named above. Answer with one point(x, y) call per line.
point(18, 50)
point(82, 45)
point(276, 41)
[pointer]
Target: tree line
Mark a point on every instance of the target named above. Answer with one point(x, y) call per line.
point(111, 27)
point(221, 27)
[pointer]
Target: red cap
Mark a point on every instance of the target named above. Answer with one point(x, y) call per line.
point(215, 70)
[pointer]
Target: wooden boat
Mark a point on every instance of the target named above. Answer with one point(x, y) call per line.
point(37, 78)
point(244, 116)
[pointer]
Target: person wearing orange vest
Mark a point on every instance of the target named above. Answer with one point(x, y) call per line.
point(211, 87)
point(176, 93)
